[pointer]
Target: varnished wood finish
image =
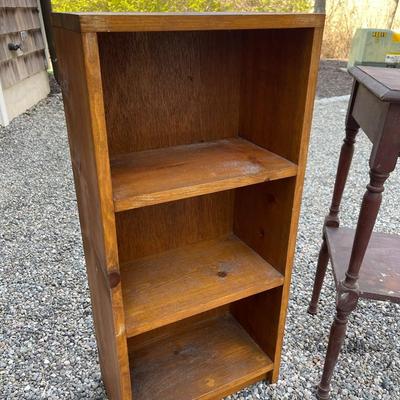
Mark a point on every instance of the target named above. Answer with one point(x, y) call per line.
point(362, 260)
point(281, 199)
point(277, 125)
point(260, 315)
point(332, 219)
point(80, 79)
point(176, 328)
point(177, 88)
point(346, 302)
point(377, 111)
point(345, 159)
point(261, 220)
point(139, 22)
point(348, 288)
point(205, 362)
point(382, 82)
point(155, 176)
point(197, 140)
point(207, 275)
point(322, 264)
point(366, 220)
point(310, 74)
point(155, 229)
point(383, 250)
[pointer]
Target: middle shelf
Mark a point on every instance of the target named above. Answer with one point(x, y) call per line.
point(160, 175)
point(167, 287)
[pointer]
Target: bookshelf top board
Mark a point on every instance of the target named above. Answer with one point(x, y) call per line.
point(145, 22)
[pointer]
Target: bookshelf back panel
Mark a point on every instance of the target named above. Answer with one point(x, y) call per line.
point(154, 229)
point(169, 88)
point(174, 88)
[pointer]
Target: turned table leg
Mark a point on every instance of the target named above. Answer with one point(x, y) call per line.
point(346, 303)
point(323, 260)
point(345, 159)
point(332, 219)
point(348, 289)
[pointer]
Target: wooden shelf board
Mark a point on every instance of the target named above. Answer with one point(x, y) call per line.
point(379, 274)
point(204, 362)
point(167, 287)
point(156, 176)
point(125, 22)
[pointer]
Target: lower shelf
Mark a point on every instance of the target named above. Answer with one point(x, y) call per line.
point(170, 286)
point(379, 274)
point(207, 361)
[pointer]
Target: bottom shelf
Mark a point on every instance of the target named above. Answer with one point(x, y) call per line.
point(208, 360)
point(379, 274)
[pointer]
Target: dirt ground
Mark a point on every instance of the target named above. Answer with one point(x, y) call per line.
point(332, 81)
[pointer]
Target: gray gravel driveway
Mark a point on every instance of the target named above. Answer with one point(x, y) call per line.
point(47, 345)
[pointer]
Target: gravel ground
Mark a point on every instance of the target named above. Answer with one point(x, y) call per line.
point(47, 345)
point(332, 80)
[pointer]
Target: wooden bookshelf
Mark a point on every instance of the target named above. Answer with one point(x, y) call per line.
point(188, 136)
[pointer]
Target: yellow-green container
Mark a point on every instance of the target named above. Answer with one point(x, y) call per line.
point(379, 47)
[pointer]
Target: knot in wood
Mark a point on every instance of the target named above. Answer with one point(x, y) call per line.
point(114, 278)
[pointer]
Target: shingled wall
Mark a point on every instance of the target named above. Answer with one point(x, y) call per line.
point(20, 23)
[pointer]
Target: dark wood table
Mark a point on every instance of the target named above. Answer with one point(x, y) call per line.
point(365, 264)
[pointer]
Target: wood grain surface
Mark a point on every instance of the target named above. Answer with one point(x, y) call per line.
point(155, 229)
point(382, 82)
point(176, 87)
point(173, 173)
point(189, 152)
point(266, 215)
point(204, 362)
point(81, 83)
point(136, 22)
point(170, 286)
point(379, 274)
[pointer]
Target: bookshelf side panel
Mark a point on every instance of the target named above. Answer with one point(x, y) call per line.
point(280, 66)
point(275, 75)
point(82, 95)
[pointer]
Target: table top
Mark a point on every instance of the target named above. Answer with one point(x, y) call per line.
point(382, 82)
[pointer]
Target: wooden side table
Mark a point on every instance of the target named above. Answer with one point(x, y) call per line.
point(365, 264)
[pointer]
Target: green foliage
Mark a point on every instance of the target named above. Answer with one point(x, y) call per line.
point(182, 5)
